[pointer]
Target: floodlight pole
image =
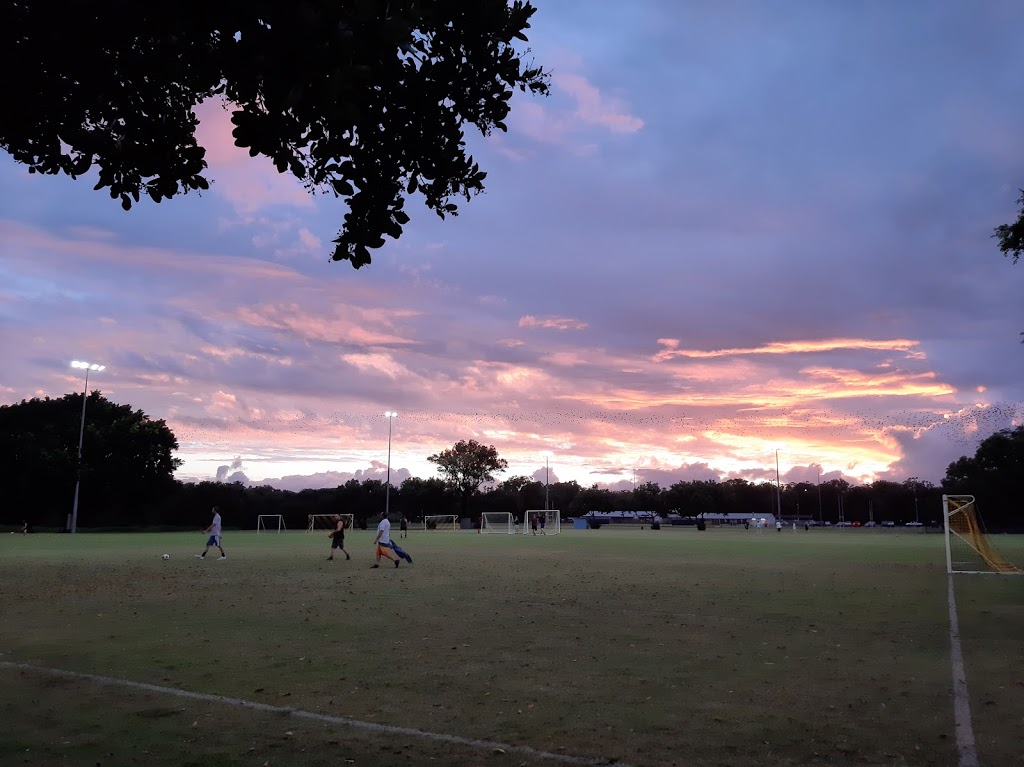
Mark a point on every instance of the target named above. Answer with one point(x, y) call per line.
point(820, 517)
point(778, 485)
point(73, 527)
point(546, 503)
point(387, 491)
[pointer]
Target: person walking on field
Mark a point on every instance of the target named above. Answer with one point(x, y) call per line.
point(337, 536)
point(403, 527)
point(214, 539)
point(533, 523)
point(383, 541)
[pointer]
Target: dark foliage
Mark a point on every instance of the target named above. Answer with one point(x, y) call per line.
point(367, 100)
point(127, 461)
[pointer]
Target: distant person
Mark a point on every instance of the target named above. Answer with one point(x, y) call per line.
point(807, 526)
point(533, 523)
point(778, 525)
point(382, 541)
point(24, 527)
point(403, 527)
point(337, 536)
point(542, 516)
point(214, 539)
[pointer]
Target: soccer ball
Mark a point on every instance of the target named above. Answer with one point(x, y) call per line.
point(167, 556)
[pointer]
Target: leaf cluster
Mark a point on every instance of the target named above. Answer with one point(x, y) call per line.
point(367, 100)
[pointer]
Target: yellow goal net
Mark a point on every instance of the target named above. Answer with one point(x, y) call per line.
point(969, 549)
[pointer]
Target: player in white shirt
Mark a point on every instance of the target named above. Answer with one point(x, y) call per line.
point(214, 539)
point(383, 541)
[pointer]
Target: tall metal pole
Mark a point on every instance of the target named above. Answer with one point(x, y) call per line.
point(387, 490)
point(778, 484)
point(78, 471)
point(546, 477)
point(820, 518)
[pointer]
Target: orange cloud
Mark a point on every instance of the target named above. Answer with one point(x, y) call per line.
point(672, 349)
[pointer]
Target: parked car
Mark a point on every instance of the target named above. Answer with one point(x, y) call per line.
point(915, 524)
point(855, 524)
point(889, 523)
point(870, 524)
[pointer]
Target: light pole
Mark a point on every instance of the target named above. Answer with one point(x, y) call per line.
point(547, 456)
point(778, 485)
point(390, 415)
point(820, 517)
point(916, 516)
point(86, 366)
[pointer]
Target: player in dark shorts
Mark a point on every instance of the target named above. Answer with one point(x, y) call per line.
point(403, 527)
point(338, 538)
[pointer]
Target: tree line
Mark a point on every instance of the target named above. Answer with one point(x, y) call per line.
point(128, 464)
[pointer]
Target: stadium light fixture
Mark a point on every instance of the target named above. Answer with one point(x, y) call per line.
point(390, 415)
point(88, 367)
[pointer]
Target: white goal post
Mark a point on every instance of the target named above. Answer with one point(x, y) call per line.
point(445, 522)
point(547, 522)
point(497, 522)
point(327, 522)
point(270, 523)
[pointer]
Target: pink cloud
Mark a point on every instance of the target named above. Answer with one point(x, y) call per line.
point(552, 323)
point(596, 109)
point(249, 183)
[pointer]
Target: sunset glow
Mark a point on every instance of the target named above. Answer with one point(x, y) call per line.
point(686, 260)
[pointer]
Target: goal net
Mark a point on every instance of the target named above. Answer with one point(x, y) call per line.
point(969, 549)
point(327, 522)
point(497, 522)
point(542, 522)
point(270, 523)
point(446, 522)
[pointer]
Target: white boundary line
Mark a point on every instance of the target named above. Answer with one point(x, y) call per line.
point(343, 721)
point(965, 747)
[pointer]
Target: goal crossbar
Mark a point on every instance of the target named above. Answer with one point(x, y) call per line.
point(441, 522)
point(497, 522)
point(329, 521)
point(266, 523)
point(548, 522)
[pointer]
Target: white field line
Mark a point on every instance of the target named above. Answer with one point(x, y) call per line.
point(342, 721)
point(965, 747)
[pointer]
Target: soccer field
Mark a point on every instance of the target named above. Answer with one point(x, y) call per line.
point(724, 647)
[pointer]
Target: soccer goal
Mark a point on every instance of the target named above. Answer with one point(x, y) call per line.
point(969, 549)
point(327, 522)
point(497, 522)
point(445, 522)
point(542, 522)
point(270, 523)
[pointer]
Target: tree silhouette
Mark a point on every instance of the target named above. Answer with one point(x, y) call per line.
point(367, 100)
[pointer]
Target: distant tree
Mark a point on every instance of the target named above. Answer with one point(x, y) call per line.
point(648, 497)
point(127, 460)
point(592, 499)
point(363, 99)
point(423, 497)
point(1011, 237)
point(995, 476)
point(467, 465)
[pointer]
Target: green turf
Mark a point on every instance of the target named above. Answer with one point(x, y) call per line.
point(725, 647)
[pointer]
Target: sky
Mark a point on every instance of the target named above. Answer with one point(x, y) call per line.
point(734, 233)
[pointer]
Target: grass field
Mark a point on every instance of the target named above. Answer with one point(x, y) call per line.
point(670, 647)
